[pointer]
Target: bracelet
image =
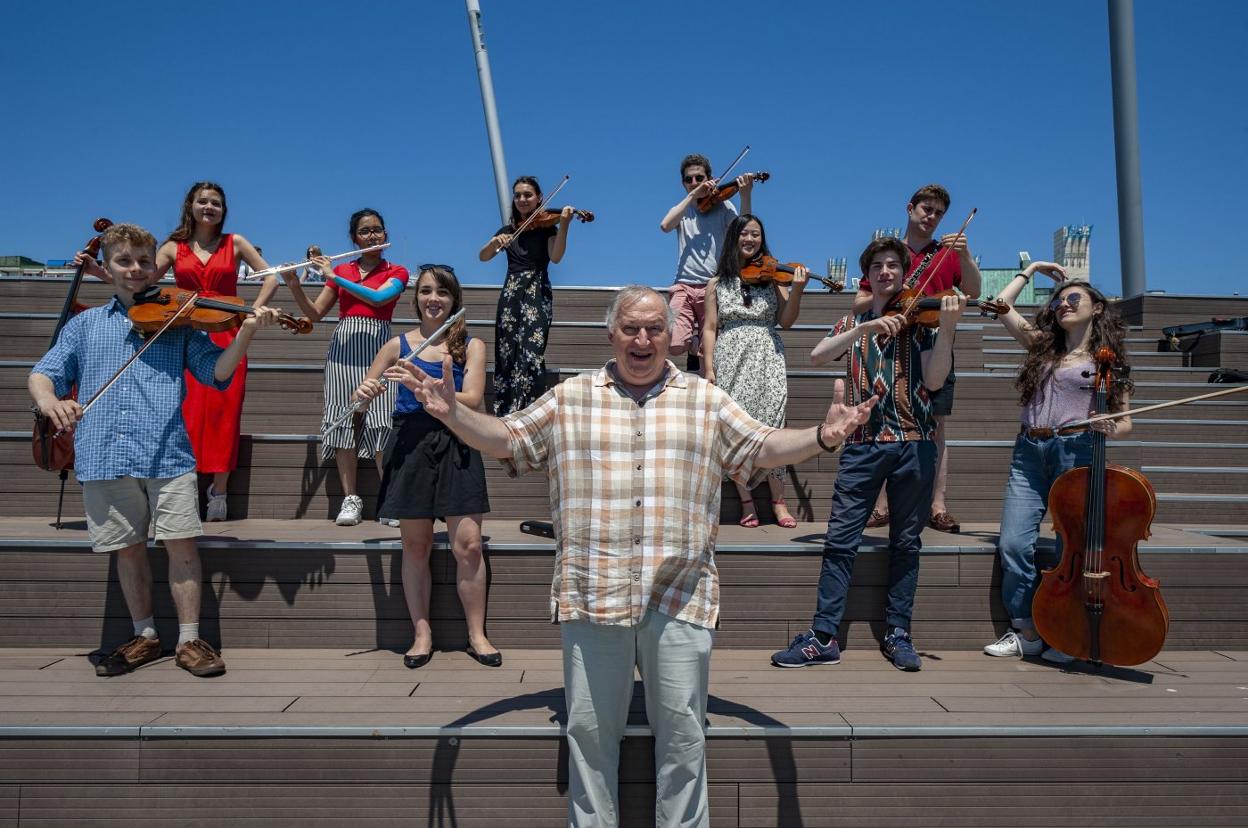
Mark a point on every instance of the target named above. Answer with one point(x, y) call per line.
point(1026, 278)
point(819, 439)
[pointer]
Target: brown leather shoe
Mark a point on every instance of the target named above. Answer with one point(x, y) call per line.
point(945, 522)
point(877, 519)
point(199, 659)
point(134, 653)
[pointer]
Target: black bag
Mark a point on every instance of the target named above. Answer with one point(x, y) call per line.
point(1228, 375)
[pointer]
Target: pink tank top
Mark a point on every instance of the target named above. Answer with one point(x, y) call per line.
point(1063, 398)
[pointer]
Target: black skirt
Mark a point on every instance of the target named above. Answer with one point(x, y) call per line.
point(429, 473)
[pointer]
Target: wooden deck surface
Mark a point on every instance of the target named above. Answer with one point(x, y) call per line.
point(371, 689)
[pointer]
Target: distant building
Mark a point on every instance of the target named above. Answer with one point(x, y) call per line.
point(886, 233)
point(1072, 248)
point(18, 262)
point(838, 270)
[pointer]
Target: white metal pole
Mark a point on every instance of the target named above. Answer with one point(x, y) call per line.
point(501, 183)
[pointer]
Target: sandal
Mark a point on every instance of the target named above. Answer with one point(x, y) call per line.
point(877, 519)
point(944, 522)
point(748, 518)
point(788, 522)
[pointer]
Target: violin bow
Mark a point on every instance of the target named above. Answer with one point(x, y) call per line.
point(358, 405)
point(190, 303)
point(1116, 415)
point(524, 225)
point(274, 271)
point(931, 271)
point(744, 152)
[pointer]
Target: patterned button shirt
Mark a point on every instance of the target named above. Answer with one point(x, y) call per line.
point(136, 429)
point(893, 368)
point(634, 492)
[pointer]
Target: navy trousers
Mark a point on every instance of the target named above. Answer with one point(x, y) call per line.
point(909, 468)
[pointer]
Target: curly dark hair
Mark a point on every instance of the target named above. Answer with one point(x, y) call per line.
point(1046, 352)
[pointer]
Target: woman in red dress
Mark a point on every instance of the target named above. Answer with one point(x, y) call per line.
point(204, 258)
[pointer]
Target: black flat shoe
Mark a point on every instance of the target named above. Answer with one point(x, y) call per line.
point(412, 662)
point(488, 659)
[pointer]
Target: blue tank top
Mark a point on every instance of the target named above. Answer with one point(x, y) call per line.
point(406, 402)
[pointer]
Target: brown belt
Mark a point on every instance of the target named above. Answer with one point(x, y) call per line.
point(1050, 433)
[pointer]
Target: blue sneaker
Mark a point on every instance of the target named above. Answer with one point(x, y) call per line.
point(806, 651)
point(900, 650)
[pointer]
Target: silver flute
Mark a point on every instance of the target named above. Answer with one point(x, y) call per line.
point(359, 405)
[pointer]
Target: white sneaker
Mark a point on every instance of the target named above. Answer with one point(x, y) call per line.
point(393, 523)
point(216, 505)
point(1013, 644)
point(1054, 656)
point(349, 514)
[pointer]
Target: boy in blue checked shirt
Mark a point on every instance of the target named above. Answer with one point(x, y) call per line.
point(132, 455)
point(904, 365)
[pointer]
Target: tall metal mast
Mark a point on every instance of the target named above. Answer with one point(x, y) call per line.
point(501, 182)
point(1127, 146)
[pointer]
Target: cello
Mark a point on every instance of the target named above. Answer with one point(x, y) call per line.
point(1097, 604)
point(56, 452)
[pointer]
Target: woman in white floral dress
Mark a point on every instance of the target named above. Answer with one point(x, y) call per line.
point(744, 354)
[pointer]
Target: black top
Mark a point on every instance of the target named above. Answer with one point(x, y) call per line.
point(529, 251)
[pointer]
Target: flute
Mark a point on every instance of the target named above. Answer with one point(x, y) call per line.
point(359, 405)
point(274, 271)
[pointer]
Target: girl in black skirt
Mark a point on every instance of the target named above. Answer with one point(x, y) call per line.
point(526, 304)
point(428, 473)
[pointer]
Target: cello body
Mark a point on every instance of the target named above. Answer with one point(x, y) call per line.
point(1131, 623)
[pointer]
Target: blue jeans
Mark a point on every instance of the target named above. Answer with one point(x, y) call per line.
point(1034, 467)
point(909, 468)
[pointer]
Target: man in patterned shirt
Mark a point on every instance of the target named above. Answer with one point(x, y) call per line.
point(131, 452)
point(636, 452)
point(902, 366)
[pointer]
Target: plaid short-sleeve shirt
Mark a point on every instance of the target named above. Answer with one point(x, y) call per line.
point(634, 492)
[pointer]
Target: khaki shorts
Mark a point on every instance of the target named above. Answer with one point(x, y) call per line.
point(120, 512)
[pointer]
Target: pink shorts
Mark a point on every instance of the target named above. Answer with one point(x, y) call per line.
point(688, 303)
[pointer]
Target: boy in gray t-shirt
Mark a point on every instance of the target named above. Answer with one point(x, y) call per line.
point(699, 238)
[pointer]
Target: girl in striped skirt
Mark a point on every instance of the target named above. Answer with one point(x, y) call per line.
point(366, 291)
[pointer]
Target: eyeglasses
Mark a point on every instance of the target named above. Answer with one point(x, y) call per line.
point(694, 179)
point(371, 231)
point(422, 268)
point(1072, 299)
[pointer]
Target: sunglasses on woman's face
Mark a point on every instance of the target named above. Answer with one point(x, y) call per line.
point(425, 267)
point(1072, 299)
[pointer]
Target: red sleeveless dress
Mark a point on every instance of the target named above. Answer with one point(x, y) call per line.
point(213, 418)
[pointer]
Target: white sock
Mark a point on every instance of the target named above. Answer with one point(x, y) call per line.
point(187, 633)
point(146, 627)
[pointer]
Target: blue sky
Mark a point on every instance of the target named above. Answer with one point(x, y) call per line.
point(306, 111)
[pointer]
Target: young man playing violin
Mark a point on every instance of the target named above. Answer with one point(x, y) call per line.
point(132, 453)
point(906, 364)
point(700, 238)
point(937, 274)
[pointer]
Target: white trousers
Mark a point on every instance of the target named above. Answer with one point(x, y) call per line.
point(674, 660)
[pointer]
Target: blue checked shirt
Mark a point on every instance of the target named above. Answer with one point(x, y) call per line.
point(136, 428)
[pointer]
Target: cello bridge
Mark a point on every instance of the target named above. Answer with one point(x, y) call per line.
point(1096, 575)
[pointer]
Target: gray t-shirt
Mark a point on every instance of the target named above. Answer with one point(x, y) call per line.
point(700, 237)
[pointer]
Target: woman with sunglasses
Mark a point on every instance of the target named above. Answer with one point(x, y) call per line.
point(429, 472)
point(526, 303)
point(1054, 389)
point(744, 354)
point(366, 291)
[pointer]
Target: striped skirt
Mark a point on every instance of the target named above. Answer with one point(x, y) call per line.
point(355, 343)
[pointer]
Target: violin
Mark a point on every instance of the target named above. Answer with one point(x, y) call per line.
point(156, 307)
point(727, 190)
point(549, 217)
point(1097, 604)
point(51, 452)
point(765, 269)
point(924, 311)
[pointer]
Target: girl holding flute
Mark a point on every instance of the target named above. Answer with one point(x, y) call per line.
point(428, 472)
point(366, 291)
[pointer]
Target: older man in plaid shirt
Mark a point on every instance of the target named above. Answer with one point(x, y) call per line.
point(635, 453)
